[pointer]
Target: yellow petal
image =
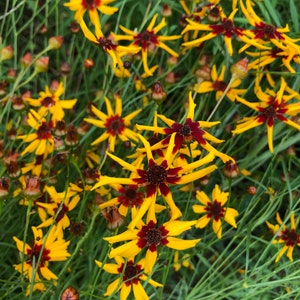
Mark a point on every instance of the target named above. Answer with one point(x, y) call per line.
point(180, 244)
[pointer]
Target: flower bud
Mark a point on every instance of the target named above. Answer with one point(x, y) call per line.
point(113, 218)
point(55, 42)
point(33, 186)
point(65, 69)
point(26, 59)
point(74, 27)
point(70, 293)
point(158, 93)
point(240, 69)
point(231, 169)
point(41, 64)
point(166, 10)
point(4, 187)
point(6, 53)
point(88, 63)
point(251, 190)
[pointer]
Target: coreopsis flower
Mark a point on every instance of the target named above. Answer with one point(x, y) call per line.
point(92, 7)
point(130, 274)
point(264, 58)
point(40, 138)
point(36, 257)
point(150, 236)
point(265, 33)
point(117, 127)
point(225, 27)
point(289, 237)
point(273, 106)
point(219, 85)
point(116, 52)
point(148, 38)
point(214, 210)
point(49, 101)
point(59, 207)
point(187, 132)
point(156, 178)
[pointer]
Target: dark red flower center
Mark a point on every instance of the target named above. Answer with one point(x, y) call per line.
point(62, 212)
point(131, 273)
point(106, 44)
point(114, 125)
point(90, 4)
point(130, 196)
point(267, 31)
point(272, 112)
point(290, 237)
point(48, 101)
point(44, 131)
point(150, 236)
point(226, 28)
point(145, 39)
point(156, 175)
point(36, 253)
point(219, 85)
point(215, 210)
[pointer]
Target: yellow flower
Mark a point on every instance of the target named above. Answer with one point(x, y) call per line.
point(218, 84)
point(116, 126)
point(49, 101)
point(151, 236)
point(36, 258)
point(92, 6)
point(148, 38)
point(214, 210)
point(289, 237)
point(157, 177)
point(186, 133)
point(225, 27)
point(130, 274)
point(272, 107)
point(59, 207)
point(41, 141)
point(116, 52)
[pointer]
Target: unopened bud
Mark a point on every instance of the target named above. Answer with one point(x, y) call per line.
point(26, 59)
point(166, 10)
point(158, 93)
point(203, 73)
point(65, 69)
point(74, 27)
point(231, 169)
point(55, 42)
point(33, 186)
point(88, 63)
point(251, 190)
point(4, 187)
point(7, 53)
point(240, 69)
point(113, 218)
point(41, 64)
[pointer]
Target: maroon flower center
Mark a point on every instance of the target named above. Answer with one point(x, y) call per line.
point(150, 236)
point(48, 101)
point(114, 125)
point(130, 197)
point(106, 44)
point(156, 175)
point(44, 131)
point(272, 112)
point(290, 237)
point(267, 31)
point(219, 85)
point(215, 210)
point(131, 273)
point(145, 39)
point(226, 28)
point(63, 211)
point(90, 4)
point(35, 253)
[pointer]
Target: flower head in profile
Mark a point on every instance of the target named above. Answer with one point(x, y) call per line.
point(150, 236)
point(288, 237)
point(116, 52)
point(36, 257)
point(218, 84)
point(130, 276)
point(273, 106)
point(116, 126)
point(156, 177)
point(214, 210)
point(186, 133)
point(93, 7)
point(264, 33)
point(225, 28)
point(40, 138)
point(58, 209)
point(148, 38)
point(49, 101)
